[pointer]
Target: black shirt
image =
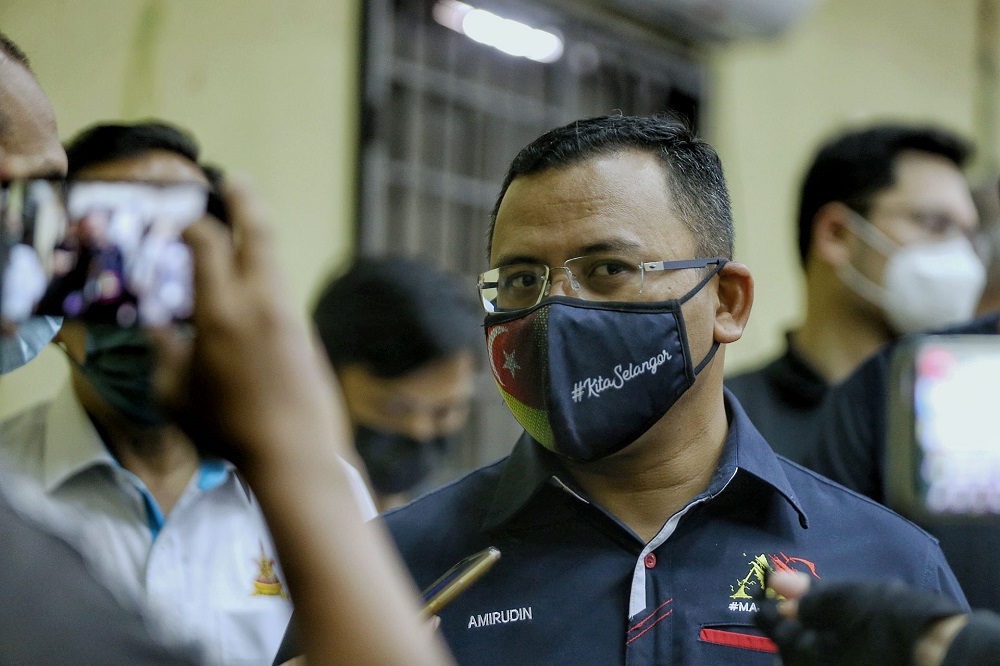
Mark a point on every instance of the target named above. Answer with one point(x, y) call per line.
point(977, 644)
point(850, 448)
point(782, 399)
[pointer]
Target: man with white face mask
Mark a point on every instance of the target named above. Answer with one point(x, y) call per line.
point(886, 222)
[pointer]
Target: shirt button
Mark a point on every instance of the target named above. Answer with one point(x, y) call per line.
point(649, 561)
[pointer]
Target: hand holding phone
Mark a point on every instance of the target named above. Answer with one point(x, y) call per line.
point(456, 580)
point(943, 446)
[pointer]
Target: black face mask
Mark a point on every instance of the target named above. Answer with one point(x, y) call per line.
point(397, 463)
point(586, 378)
point(119, 365)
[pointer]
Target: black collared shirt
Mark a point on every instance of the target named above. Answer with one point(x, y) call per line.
point(576, 586)
point(783, 399)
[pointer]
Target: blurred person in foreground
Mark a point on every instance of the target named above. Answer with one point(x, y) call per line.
point(172, 527)
point(885, 224)
point(855, 623)
point(401, 336)
point(56, 609)
point(639, 509)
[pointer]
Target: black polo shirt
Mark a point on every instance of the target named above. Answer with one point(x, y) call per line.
point(576, 586)
point(783, 400)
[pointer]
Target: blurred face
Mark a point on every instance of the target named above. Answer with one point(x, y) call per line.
point(430, 402)
point(29, 141)
point(929, 203)
point(116, 387)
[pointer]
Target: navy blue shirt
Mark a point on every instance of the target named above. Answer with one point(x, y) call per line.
point(576, 586)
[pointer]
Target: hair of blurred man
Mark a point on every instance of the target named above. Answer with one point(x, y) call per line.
point(393, 315)
point(856, 164)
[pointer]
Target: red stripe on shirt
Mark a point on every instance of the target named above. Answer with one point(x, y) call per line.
point(736, 639)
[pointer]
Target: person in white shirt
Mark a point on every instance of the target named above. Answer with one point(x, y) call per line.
point(177, 530)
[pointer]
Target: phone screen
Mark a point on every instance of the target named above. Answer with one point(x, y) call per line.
point(101, 251)
point(954, 449)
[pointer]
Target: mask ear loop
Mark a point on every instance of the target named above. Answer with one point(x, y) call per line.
point(876, 239)
point(698, 287)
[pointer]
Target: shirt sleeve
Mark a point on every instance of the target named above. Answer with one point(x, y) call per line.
point(359, 489)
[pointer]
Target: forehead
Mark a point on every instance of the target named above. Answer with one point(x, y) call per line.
point(161, 166)
point(438, 382)
point(29, 139)
point(925, 177)
point(615, 202)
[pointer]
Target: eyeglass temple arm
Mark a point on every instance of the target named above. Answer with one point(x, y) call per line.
point(677, 265)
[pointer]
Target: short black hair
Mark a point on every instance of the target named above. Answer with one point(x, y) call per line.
point(106, 142)
point(394, 315)
point(692, 168)
point(855, 165)
point(8, 46)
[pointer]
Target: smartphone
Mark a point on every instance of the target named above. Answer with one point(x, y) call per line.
point(102, 251)
point(943, 448)
point(457, 579)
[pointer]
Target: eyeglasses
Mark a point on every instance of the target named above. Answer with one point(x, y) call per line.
point(596, 277)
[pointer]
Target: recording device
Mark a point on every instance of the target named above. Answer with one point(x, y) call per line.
point(457, 579)
point(943, 450)
point(101, 251)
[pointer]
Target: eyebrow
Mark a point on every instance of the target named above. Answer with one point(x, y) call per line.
point(609, 245)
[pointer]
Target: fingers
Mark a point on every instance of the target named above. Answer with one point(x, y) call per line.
point(249, 215)
point(212, 255)
point(789, 584)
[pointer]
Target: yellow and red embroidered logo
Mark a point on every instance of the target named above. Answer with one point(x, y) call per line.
point(754, 580)
point(267, 582)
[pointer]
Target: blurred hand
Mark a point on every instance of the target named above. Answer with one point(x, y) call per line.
point(859, 622)
point(250, 374)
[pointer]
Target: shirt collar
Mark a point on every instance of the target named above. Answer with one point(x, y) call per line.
point(798, 382)
point(530, 466)
point(72, 443)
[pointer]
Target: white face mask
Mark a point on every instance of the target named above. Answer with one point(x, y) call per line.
point(924, 285)
point(31, 336)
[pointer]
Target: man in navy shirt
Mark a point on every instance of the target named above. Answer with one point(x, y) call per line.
point(637, 515)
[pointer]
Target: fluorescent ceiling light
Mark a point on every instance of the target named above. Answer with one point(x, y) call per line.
point(511, 37)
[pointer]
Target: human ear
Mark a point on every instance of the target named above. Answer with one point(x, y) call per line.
point(735, 298)
point(831, 234)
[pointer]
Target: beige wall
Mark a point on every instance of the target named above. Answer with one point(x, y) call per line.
point(270, 88)
point(848, 61)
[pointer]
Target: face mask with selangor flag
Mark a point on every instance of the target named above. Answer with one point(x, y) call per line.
point(586, 378)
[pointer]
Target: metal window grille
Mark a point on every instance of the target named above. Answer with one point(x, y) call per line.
point(442, 117)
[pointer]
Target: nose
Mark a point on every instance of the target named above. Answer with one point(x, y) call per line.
point(562, 283)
